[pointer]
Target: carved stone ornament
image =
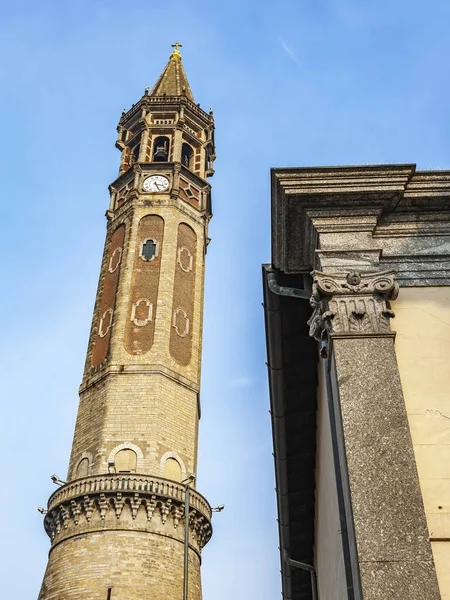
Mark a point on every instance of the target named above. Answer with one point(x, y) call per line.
point(185, 259)
point(105, 322)
point(115, 259)
point(125, 501)
point(355, 304)
point(135, 307)
point(180, 322)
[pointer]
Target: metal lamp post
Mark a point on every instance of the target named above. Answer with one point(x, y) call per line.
point(187, 482)
point(187, 490)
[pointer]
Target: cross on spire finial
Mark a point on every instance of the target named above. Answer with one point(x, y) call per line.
point(176, 52)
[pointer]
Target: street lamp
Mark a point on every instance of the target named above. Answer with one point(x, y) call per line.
point(187, 482)
point(187, 489)
point(57, 481)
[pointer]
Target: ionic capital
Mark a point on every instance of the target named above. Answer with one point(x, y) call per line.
point(355, 304)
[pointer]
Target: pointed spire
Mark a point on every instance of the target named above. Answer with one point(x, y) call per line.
point(173, 80)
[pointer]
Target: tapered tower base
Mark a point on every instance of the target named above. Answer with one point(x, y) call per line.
point(128, 523)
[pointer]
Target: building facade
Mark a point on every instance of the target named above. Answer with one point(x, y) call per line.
point(359, 401)
point(117, 526)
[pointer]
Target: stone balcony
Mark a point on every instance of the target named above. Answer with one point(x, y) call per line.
point(127, 501)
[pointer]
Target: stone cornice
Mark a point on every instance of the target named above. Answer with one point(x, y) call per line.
point(347, 180)
point(164, 103)
point(158, 167)
point(140, 369)
point(126, 501)
point(366, 217)
point(138, 199)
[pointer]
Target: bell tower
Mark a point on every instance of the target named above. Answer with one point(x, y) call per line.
point(117, 526)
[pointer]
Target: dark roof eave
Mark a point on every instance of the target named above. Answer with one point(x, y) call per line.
point(280, 313)
point(274, 366)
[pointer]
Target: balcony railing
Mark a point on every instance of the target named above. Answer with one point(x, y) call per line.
point(129, 482)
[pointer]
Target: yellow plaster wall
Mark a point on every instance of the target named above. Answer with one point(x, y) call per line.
point(328, 551)
point(422, 324)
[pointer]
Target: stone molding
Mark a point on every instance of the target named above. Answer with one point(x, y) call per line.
point(85, 454)
point(134, 308)
point(112, 258)
point(368, 218)
point(136, 198)
point(198, 215)
point(147, 101)
point(142, 368)
point(357, 304)
point(190, 259)
point(128, 446)
point(141, 248)
point(181, 332)
point(135, 502)
point(175, 455)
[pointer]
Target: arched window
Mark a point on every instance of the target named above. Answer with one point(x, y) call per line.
point(125, 461)
point(161, 149)
point(172, 469)
point(186, 155)
point(82, 468)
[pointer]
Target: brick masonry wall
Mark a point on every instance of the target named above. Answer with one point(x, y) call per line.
point(137, 393)
point(148, 399)
point(135, 565)
point(183, 296)
point(108, 296)
point(150, 411)
point(159, 353)
point(140, 330)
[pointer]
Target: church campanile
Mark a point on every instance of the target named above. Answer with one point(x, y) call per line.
point(117, 526)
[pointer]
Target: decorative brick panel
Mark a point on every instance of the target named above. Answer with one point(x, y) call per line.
point(108, 301)
point(183, 295)
point(120, 535)
point(140, 324)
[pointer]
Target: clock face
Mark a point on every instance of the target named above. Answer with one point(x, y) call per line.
point(156, 183)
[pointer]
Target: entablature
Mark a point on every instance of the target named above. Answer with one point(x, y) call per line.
point(366, 217)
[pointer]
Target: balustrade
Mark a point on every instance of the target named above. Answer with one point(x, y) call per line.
point(114, 482)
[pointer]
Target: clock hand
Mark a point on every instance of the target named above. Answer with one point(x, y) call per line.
point(157, 186)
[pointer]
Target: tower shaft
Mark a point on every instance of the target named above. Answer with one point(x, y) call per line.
point(117, 525)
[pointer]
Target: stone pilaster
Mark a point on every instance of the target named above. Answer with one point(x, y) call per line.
point(144, 145)
point(379, 219)
point(389, 549)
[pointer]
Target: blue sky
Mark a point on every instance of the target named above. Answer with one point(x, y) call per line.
point(292, 83)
